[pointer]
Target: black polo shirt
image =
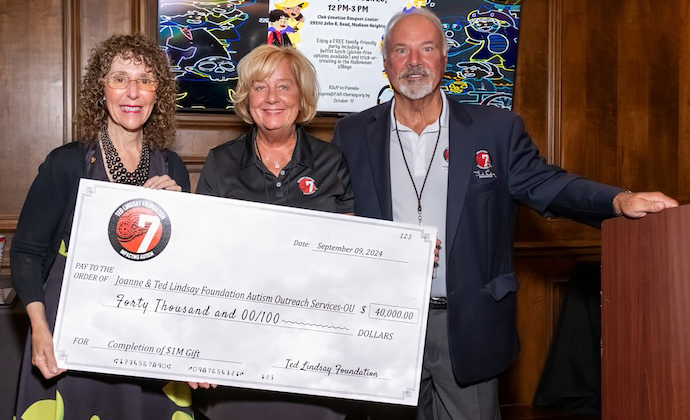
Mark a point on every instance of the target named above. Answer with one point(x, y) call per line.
point(316, 178)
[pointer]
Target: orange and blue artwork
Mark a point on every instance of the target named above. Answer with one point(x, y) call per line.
point(482, 50)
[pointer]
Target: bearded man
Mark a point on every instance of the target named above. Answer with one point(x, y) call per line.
point(422, 158)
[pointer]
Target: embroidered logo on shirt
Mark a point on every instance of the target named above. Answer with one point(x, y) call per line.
point(483, 165)
point(483, 159)
point(139, 229)
point(307, 185)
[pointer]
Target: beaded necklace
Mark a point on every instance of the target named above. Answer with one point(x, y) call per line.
point(117, 170)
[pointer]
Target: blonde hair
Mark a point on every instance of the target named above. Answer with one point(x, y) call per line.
point(260, 63)
point(159, 129)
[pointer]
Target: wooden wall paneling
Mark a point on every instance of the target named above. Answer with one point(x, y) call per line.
point(555, 78)
point(574, 76)
point(633, 82)
point(148, 19)
point(32, 119)
point(556, 289)
point(542, 280)
point(634, 118)
point(5, 261)
point(570, 118)
point(662, 59)
point(145, 17)
point(322, 127)
point(683, 41)
point(198, 133)
point(101, 19)
point(31, 113)
point(71, 41)
point(530, 98)
point(537, 86)
point(649, 86)
point(539, 93)
point(593, 156)
point(589, 89)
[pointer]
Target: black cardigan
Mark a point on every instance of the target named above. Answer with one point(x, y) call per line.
point(46, 213)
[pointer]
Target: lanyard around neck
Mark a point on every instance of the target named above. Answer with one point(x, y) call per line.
point(419, 192)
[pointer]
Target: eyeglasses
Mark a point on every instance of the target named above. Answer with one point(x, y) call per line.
point(122, 82)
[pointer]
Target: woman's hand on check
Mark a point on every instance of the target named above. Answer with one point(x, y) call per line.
point(204, 385)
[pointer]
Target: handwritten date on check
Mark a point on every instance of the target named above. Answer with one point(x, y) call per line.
point(183, 287)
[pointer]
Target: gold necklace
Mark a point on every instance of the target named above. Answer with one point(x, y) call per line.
point(276, 163)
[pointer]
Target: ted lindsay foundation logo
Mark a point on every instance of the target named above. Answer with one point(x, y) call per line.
point(139, 229)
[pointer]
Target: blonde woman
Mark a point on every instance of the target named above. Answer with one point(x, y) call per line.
point(275, 162)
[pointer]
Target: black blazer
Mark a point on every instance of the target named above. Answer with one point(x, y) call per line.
point(481, 206)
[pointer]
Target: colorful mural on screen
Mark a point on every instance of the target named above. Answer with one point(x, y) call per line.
point(204, 40)
point(482, 37)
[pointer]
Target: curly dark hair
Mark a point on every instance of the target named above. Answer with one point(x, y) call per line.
point(159, 129)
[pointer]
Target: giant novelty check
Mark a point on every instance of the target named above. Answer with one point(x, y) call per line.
point(179, 286)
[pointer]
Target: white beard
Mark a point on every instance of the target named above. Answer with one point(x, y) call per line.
point(416, 89)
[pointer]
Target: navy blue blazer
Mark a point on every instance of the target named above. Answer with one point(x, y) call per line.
point(481, 207)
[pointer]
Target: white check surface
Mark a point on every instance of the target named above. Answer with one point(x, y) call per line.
point(249, 295)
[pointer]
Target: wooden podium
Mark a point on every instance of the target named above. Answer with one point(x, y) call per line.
point(646, 317)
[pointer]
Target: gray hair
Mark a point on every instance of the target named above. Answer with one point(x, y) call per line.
point(416, 11)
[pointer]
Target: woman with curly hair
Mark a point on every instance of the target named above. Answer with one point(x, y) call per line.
point(127, 106)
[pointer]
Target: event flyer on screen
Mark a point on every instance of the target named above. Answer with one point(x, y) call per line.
point(342, 39)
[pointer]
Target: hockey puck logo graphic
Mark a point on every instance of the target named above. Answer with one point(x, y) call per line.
point(307, 185)
point(483, 159)
point(139, 229)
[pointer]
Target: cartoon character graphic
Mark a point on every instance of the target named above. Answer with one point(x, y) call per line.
point(477, 76)
point(414, 4)
point(201, 39)
point(216, 68)
point(496, 34)
point(454, 30)
point(186, 32)
point(227, 16)
point(278, 28)
point(293, 8)
point(452, 83)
